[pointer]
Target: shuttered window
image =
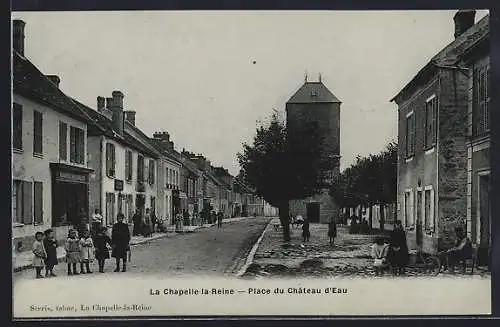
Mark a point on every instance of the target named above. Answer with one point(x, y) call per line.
point(140, 168)
point(429, 209)
point(482, 100)
point(151, 171)
point(37, 132)
point(77, 145)
point(110, 159)
point(110, 208)
point(17, 125)
point(38, 202)
point(128, 165)
point(430, 123)
point(410, 135)
point(63, 141)
point(22, 202)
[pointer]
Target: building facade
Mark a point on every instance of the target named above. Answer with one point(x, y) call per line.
point(49, 162)
point(314, 105)
point(432, 138)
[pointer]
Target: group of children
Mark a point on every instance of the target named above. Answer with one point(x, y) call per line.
point(79, 251)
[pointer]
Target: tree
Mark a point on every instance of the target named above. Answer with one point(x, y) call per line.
point(282, 165)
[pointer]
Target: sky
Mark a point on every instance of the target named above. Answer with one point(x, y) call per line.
point(208, 77)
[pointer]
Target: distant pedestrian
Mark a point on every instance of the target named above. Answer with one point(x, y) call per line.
point(332, 230)
point(50, 245)
point(72, 247)
point(102, 244)
point(39, 254)
point(120, 240)
point(220, 216)
point(306, 234)
point(137, 220)
point(146, 225)
point(86, 252)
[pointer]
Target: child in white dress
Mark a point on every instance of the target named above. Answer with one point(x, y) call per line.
point(86, 252)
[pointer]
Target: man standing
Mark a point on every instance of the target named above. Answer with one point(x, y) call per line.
point(120, 241)
point(137, 219)
point(219, 219)
point(96, 221)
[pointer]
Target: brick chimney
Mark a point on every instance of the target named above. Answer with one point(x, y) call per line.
point(130, 116)
point(107, 109)
point(101, 102)
point(18, 36)
point(117, 110)
point(464, 19)
point(163, 139)
point(54, 79)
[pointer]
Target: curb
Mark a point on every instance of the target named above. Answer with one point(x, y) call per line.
point(251, 255)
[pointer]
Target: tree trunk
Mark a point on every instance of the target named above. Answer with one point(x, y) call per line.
point(285, 220)
point(370, 215)
point(382, 216)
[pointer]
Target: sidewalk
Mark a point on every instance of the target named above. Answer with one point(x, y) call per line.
point(23, 260)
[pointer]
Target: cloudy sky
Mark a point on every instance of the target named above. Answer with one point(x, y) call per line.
point(193, 73)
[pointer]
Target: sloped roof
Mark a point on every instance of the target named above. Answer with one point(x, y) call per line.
point(454, 52)
point(313, 92)
point(30, 82)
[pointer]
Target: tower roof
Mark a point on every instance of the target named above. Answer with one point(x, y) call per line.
point(313, 92)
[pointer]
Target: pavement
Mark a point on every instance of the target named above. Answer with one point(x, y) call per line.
point(22, 261)
point(349, 256)
point(210, 251)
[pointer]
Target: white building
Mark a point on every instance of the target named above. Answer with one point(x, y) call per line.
point(124, 178)
point(49, 162)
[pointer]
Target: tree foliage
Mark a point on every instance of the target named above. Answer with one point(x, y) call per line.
point(282, 164)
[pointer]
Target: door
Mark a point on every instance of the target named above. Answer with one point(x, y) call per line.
point(419, 222)
point(484, 218)
point(313, 212)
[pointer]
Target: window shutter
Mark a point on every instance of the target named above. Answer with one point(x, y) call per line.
point(435, 110)
point(487, 98)
point(63, 141)
point(127, 165)
point(113, 158)
point(108, 158)
point(470, 111)
point(81, 146)
point(17, 123)
point(27, 203)
point(431, 214)
point(412, 208)
point(38, 196)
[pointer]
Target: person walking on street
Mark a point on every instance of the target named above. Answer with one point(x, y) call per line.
point(220, 216)
point(137, 220)
point(398, 249)
point(120, 240)
point(306, 234)
point(50, 245)
point(146, 227)
point(332, 230)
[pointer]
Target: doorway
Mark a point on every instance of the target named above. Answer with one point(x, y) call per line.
point(313, 212)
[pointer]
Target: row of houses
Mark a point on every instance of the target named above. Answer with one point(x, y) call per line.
point(70, 158)
point(444, 142)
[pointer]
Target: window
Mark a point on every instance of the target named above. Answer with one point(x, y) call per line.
point(409, 221)
point(38, 204)
point(410, 135)
point(63, 141)
point(22, 202)
point(429, 208)
point(17, 124)
point(128, 165)
point(430, 122)
point(110, 159)
point(140, 168)
point(151, 171)
point(37, 133)
point(77, 145)
point(482, 100)
point(110, 208)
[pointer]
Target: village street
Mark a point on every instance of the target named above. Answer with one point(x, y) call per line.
point(206, 252)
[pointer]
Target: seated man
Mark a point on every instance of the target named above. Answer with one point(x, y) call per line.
point(379, 254)
point(460, 252)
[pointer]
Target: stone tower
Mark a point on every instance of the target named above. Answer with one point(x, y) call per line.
point(314, 103)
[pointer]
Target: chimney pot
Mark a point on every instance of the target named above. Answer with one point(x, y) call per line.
point(18, 36)
point(464, 19)
point(54, 79)
point(100, 103)
point(109, 102)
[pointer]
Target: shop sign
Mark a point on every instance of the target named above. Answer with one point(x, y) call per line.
point(71, 177)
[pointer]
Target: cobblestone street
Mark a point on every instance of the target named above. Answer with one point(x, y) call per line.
point(206, 252)
point(348, 257)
